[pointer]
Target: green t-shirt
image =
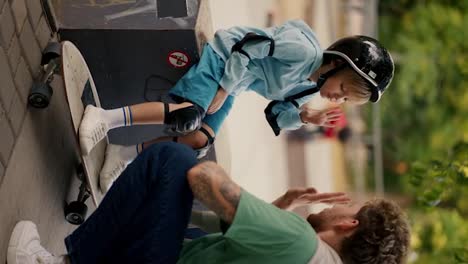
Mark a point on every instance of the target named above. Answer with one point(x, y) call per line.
point(260, 233)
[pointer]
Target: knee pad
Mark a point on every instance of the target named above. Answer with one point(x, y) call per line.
point(201, 152)
point(183, 121)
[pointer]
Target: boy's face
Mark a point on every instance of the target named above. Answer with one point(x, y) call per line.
point(335, 90)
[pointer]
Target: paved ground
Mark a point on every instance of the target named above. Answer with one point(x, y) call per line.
point(38, 177)
point(36, 153)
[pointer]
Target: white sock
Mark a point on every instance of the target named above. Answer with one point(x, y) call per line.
point(52, 259)
point(129, 153)
point(64, 259)
point(118, 117)
point(140, 148)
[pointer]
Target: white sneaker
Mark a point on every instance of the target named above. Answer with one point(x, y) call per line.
point(116, 160)
point(93, 128)
point(25, 246)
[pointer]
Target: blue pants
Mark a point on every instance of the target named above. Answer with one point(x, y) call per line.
point(143, 217)
point(200, 84)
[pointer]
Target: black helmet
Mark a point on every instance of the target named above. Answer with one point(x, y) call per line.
point(369, 59)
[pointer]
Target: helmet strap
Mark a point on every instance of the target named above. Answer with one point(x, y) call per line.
point(323, 77)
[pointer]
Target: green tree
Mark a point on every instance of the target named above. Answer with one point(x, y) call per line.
point(426, 106)
point(443, 183)
point(425, 124)
point(438, 236)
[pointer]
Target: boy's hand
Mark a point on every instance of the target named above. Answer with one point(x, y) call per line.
point(297, 197)
point(218, 101)
point(326, 118)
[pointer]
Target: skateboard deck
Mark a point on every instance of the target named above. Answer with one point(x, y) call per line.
point(80, 91)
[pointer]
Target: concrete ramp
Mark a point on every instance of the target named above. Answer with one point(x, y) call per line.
point(136, 49)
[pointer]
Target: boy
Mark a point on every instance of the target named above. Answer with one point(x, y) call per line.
point(143, 217)
point(284, 64)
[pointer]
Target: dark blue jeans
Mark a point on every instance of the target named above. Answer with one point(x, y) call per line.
point(143, 217)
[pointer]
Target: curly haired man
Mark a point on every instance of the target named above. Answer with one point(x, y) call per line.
point(143, 217)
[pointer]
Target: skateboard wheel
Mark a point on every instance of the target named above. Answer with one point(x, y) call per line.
point(40, 95)
point(75, 212)
point(53, 50)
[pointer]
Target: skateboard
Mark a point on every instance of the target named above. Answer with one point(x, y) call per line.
point(80, 92)
point(64, 58)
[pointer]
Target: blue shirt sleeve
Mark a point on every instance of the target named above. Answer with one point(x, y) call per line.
point(289, 115)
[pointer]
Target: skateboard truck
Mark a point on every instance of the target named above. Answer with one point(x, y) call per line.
point(41, 91)
point(75, 212)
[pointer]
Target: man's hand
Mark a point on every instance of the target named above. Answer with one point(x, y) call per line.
point(218, 101)
point(326, 118)
point(297, 197)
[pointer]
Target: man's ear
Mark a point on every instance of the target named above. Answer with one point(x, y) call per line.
point(347, 224)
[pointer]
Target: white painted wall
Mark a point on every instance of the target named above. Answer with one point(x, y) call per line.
point(258, 157)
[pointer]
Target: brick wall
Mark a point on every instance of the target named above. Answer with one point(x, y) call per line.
point(24, 33)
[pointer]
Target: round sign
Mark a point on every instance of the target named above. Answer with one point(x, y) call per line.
point(178, 59)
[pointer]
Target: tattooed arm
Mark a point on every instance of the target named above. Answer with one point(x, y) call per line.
point(212, 186)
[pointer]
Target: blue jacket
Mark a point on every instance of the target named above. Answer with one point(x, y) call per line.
point(297, 54)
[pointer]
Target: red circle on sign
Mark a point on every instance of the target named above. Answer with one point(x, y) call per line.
point(178, 59)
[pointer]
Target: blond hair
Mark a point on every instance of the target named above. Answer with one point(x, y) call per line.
point(359, 88)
